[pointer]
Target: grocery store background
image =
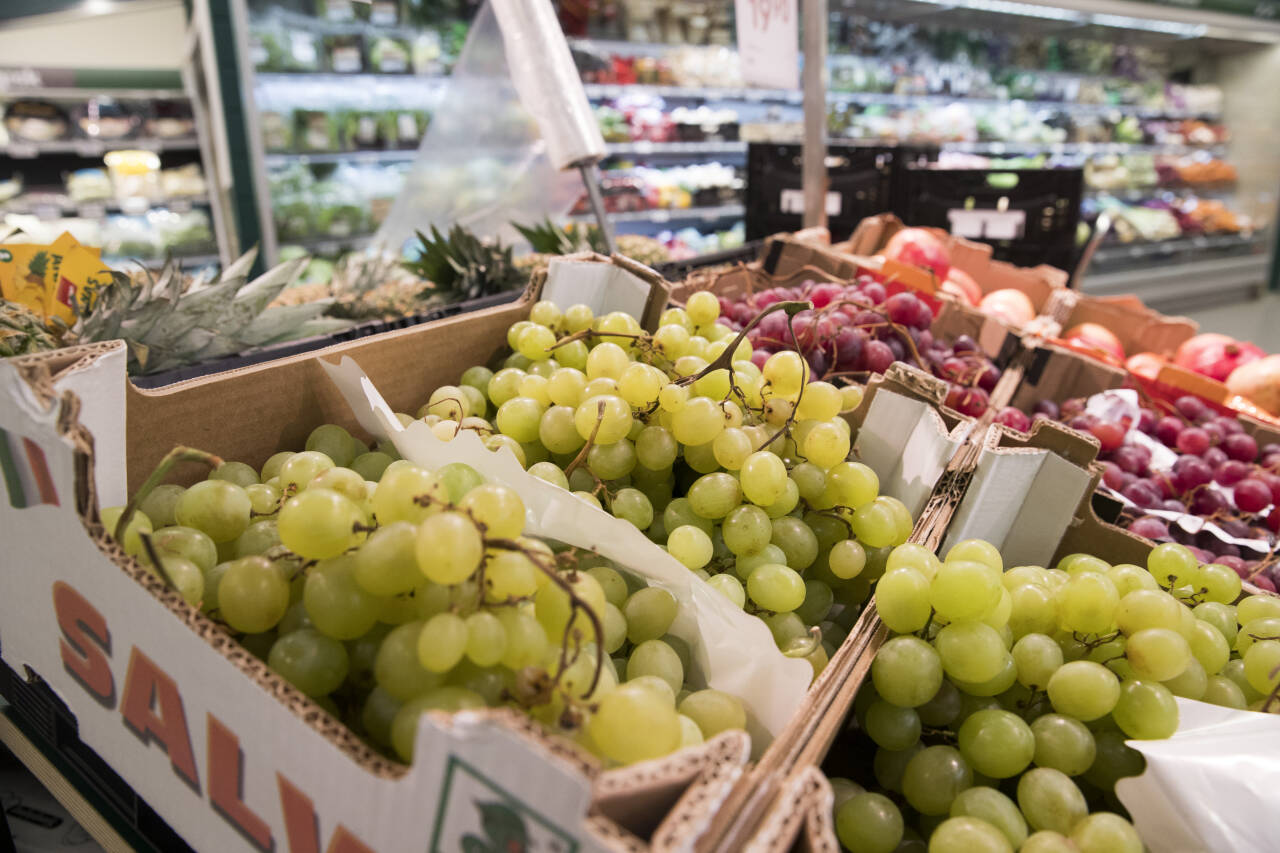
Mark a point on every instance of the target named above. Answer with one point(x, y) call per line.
point(317, 108)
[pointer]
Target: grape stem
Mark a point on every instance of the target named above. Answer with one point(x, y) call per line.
point(725, 358)
point(154, 556)
point(575, 604)
point(178, 454)
point(586, 448)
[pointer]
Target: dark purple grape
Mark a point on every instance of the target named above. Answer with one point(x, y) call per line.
point(967, 401)
point(1172, 505)
point(1215, 456)
point(901, 308)
point(1141, 494)
point(1047, 408)
point(1191, 408)
point(1251, 495)
point(1112, 476)
point(848, 348)
point(1130, 459)
point(1231, 472)
point(1193, 440)
point(1241, 446)
point(988, 378)
point(1150, 527)
point(964, 343)
point(1014, 419)
point(898, 349)
point(1190, 472)
point(1147, 421)
point(877, 356)
point(1167, 430)
point(1229, 425)
point(1207, 502)
point(875, 292)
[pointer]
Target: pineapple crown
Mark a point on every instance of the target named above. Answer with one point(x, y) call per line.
point(463, 265)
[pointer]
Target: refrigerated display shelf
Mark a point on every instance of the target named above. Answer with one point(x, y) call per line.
point(324, 245)
point(23, 150)
point(676, 148)
point(366, 156)
point(666, 214)
point(1188, 286)
point(353, 79)
point(1145, 252)
point(1080, 148)
point(97, 208)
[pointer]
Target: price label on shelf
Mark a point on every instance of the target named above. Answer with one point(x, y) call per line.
point(769, 43)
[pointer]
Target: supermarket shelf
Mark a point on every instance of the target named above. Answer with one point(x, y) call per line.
point(707, 214)
point(1138, 194)
point(94, 147)
point(1147, 252)
point(618, 148)
point(1079, 148)
point(48, 206)
point(187, 261)
point(73, 93)
point(331, 245)
point(1178, 288)
point(354, 80)
point(790, 96)
point(390, 156)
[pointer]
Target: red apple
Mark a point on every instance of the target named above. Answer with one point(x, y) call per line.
point(1010, 305)
point(962, 286)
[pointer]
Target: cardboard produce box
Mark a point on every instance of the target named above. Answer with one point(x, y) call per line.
point(1139, 328)
point(164, 695)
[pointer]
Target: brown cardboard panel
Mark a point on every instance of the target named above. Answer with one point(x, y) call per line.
point(1058, 374)
point(1138, 327)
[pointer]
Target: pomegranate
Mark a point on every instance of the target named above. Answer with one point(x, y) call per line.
point(1215, 355)
point(1010, 305)
point(919, 247)
point(1095, 336)
point(962, 286)
point(1259, 381)
point(1145, 364)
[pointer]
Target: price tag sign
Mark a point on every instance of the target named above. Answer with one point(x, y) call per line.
point(769, 43)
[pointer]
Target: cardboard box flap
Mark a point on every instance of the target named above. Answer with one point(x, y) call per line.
point(799, 819)
point(1139, 328)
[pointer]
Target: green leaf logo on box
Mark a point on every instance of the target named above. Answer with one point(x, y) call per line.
point(504, 830)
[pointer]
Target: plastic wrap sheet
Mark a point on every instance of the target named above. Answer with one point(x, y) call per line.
point(482, 163)
point(732, 651)
point(1212, 787)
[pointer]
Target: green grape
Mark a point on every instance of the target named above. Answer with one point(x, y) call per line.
point(577, 317)
point(714, 711)
point(1146, 710)
point(997, 684)
point(965, 589)
point(933, 777)
point(497, 509)
point(1220, 583)
point(404, 727)
point(1050, 800)
point(555, 612)
point(995, 808)
point(549, 472)
point(639, 385)
point(1037, 657)
point(186, 542)
point(606, 416)
point(504, 385)
point(333, 441)
point(785, 504)
point(386, 563)
point(1032, 610)
point(557, 432)
point(796, 540)
point(1086, 603)
point(730, 587)
point(520, 418)
point(785, 628)
point(615, 628)
point(186, 577)
point(271, 468)
point(890, 765)
point(1103, 832)
point(212, 579)
point(633, 723)
point(1258, 629)
point(690, 545)
point(315, 664)
point(996, 743)
point(1262, 665)
point(633, 506)
point(1172, 565)
point(1148, 608)
point(851, 484)
point(258, 538)
point(656, 448)
point(698, 422)
point(902, 600)
point(977, 551)
point(702, 308)
point(892, 727)
point(320, 523)
point(970, 651)
point(907, 671)
point(1047, 841)
point(1157, 654)
point(731, 448)
point(458, 480)
point(655, 657)
point(764, 478)
point(1084, 690)
point(612, 583)
point(777, 588)
point(252, 595)
point(565, 386)
point(486, 638)
point(607, 359)
point(702, 458)
point(1257, 607)
point(612, 461)
point(1220, 690)
point(526, 641)
point(378, 711)
point(649, 613)
point(535, 342)
point(968, 835)
point(476, 376)
point(297, 472)
point(1220, 616)
point(869, 823)
point(1191, 683)
point(847, 559)
point(746, 528)
point(159, 505)
point(264, 499)
point(943, 709)
point(397, 667)
point(408, 493)
point(335, 601)
point(714, 495)
point(1063, 743)
point(449, 547)
point(218, 508)
point(748, 563)
point(818, 601)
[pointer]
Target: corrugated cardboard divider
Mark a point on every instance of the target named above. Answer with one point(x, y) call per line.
point(801, 819)
point(1139, 328)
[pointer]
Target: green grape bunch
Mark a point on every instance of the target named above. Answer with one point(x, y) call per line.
point(996, 715)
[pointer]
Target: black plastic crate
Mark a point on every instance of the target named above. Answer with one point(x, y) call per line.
point(282, 350)
point(49, 724)
point(862, 181)
point(676, 270)
point(1029, 216)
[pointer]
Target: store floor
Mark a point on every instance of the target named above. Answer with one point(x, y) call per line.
point(1257, 321)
